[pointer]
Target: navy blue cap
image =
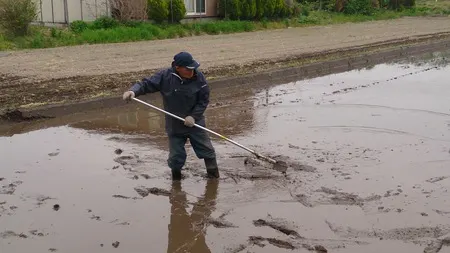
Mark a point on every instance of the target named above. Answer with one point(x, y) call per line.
point(185, 59)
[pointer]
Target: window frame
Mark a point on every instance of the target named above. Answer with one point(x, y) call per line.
point(195, 13)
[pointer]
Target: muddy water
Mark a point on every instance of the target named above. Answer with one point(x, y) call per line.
point(370, 152)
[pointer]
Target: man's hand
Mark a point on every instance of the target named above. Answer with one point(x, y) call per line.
point(189, 121)
point(128, 95)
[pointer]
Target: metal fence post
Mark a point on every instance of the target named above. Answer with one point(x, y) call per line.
point(171, 9)
point(81, 9)
point(66, 12)
point(53, 14)
point(42, 15)
point(106, 8)
point(96, 14)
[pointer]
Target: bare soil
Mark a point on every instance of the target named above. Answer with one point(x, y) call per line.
point(33, 78)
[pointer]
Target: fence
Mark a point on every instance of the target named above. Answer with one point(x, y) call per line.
point(67, 11)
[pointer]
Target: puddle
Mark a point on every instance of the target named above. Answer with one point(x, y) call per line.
point(369, 171)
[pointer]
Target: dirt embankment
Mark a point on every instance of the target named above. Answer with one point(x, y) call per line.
point(35, 78)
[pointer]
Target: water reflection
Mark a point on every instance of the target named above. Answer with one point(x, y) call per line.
point(230, 120)
point(187, 232)
point(432, 59)
point(230, 113)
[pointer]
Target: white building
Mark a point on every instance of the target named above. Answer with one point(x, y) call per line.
point(67, 11)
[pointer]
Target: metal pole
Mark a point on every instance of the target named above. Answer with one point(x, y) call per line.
point(171, 9)
point(210, 131)
point(106, 8)
point(81, 9)
point(42, 15)
point(66, 12)
point(53, 14)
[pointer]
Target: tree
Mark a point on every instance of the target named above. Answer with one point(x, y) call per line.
point(158, 10)
point(248, 9)
point(16, 16)
point(177, 10)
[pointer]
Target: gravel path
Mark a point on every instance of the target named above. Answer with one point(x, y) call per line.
point(211, 51)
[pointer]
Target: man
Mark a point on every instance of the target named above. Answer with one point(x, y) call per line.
point(185, 93)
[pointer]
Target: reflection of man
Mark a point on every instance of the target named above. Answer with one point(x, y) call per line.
point(185, 93)
point(187, 233)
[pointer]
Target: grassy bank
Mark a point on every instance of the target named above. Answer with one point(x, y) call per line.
point(93, 33)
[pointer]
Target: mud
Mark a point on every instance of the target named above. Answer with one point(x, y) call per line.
point(258, 240)
point(116, 244)
point(436, 179)
point(367, 171)
point(16, 115)
point(343, 198)
point(120, 196)
point(277, 225)
point(10, 188)
point(144, 192)
point(220, 223)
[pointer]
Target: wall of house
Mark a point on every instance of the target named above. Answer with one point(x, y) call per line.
point(211, 8)
point(63, 11)
point(67, 11)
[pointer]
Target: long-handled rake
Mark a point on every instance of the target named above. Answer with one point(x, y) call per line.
point(278, 165)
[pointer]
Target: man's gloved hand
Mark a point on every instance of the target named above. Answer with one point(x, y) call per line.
point(128, 95)
point(189, 121)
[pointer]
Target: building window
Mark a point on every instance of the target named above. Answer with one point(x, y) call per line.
point(195, 7)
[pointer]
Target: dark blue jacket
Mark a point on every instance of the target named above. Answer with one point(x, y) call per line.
point(182, 97)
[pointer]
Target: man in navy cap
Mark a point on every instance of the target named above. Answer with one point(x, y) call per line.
point(185, 93)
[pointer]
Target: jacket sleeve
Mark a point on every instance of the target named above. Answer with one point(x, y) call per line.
point(202, 102)
point(148, 84)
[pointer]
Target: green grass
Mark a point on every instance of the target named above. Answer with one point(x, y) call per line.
point(44, 37)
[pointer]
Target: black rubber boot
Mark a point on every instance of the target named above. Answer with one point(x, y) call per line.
point(212, 169)
point(176, 175)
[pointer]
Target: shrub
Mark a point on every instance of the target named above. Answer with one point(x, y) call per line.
point(248, 9)
point(132, 23)
point(5, 44)
point(259, 9)
point(296, 10)
point(255, 9)
point(280, 8)
point(177, 12)
point(128, 10)
point(363, 7)
point(308, 20)
point(78, 26)
point(16, 15)
point(399, 4)
point(158, 10)
point(230, 9)
point(105, 22)
point(269, 8)
point(286, 11)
